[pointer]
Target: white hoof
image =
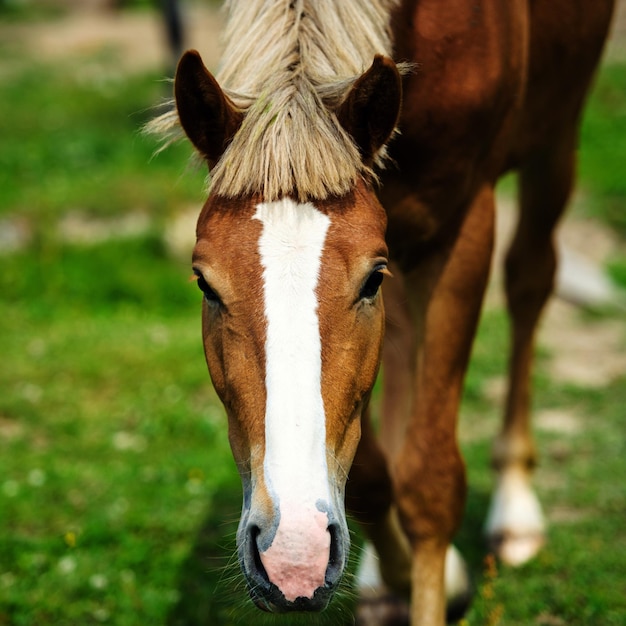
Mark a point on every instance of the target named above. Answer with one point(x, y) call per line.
point(516, 551)
point(368, 578)
point(377, 604)
point(458, 585)
point(515, 524)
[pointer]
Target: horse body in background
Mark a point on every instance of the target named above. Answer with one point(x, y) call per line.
point(293, 244)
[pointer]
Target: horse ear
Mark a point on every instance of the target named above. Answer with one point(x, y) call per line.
point(207, 115)
point(371, 109)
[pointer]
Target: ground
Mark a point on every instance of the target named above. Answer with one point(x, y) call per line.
point(576, 348)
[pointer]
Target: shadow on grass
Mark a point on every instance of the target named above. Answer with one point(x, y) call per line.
point(204, 595)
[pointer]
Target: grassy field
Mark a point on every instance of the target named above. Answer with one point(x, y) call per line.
point(118, 495)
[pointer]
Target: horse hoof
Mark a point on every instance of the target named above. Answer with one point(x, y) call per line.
point(516, 550)
point(515, 524)
point(459, 587)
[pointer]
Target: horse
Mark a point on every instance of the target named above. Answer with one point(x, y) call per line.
point(353, 150)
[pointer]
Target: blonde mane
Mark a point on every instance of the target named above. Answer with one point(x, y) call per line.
point(288, 64)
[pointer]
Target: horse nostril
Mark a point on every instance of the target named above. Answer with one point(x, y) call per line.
point(335, 567)
point(255, 555)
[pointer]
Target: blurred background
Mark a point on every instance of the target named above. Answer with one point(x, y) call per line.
point(118, 495)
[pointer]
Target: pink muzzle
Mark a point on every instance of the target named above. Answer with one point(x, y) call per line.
point(297, 560)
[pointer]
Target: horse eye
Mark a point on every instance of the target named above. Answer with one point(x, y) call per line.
point(204, 287)
point(373, 282)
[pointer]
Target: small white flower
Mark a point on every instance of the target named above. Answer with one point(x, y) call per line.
point(36, 477)
point(213, 415)
point(101, 614)
point(118, 508)
point(98, 581)
point(195, 507)
point(36, 348)
point(67, 565)
point(32, 393)
point(194, 487)
point(10, 488)
point(123, 440)
point(159, 334)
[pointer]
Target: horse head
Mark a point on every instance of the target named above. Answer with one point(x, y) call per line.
point(293, 325)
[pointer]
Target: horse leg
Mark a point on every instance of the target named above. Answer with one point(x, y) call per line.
point(515, 524)
point(383, 584)
point(398, 365)
point(384, 575)
point(385, 571)
point(445, 292)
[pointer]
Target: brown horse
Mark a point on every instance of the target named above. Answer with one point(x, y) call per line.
point(293, 244)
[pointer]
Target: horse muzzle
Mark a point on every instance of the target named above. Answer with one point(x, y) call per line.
point(293, 560)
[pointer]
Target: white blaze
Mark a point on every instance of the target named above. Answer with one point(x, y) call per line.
point(290, 247)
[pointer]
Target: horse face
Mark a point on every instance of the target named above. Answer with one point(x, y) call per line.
point(292, 325)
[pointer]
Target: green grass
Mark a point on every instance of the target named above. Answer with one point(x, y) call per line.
point(578, 577)
point(603, 150)
point(105, 388)
point(119, 498)
point(76, 145)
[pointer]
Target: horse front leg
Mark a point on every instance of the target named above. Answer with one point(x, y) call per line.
point(384, 574)
point(444, 293)
point(515, 524)
point(383, 583)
